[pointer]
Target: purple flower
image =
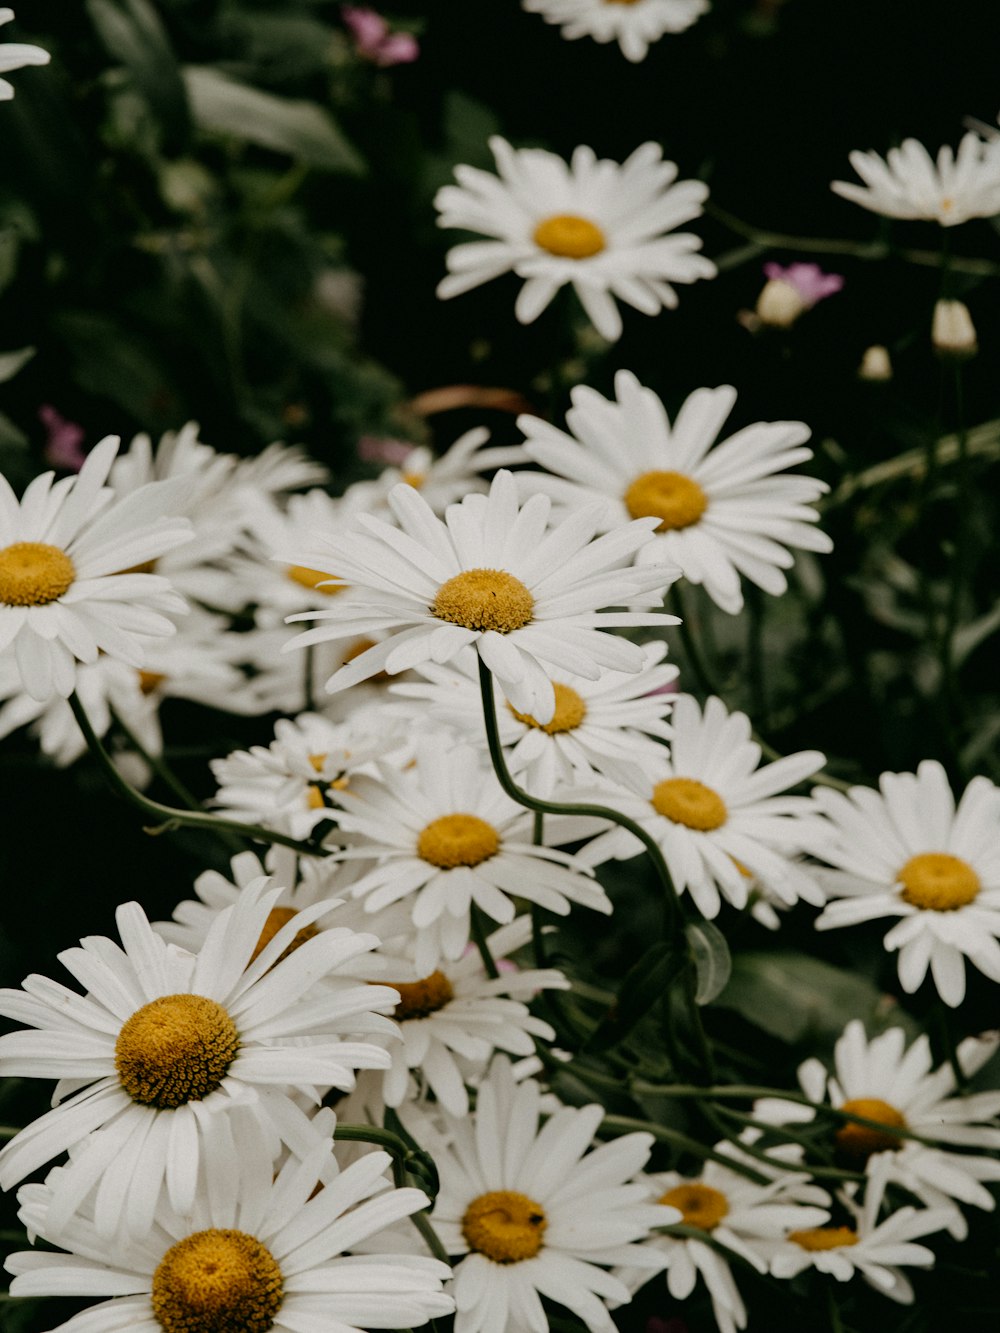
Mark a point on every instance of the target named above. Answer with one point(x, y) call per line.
point(809, 280)
point(63, 447)
point(373, 40)
point(383, 449)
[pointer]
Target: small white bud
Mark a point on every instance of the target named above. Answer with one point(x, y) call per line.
point(779, 304)
point(953, 332)
point(875, 364)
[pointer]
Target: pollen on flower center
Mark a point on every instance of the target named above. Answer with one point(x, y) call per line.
point(504, 1226)
point(484, 599)
point(859, 1140)
point(150, 681)
point(938, 882)
point(418, 999)
point(276, 918)
point(701, 1205)
point(217, 1282)
point(176, 1049)
point(34, 574)
point(677, 501)
point(689, 802)
point(569, 236)
point(414, 479)
point(571, 709)
point(315, 580)
point(457, 840)
point(824, 1238)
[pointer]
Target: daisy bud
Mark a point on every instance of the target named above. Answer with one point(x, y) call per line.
point(875, 364)
point(790, 291)
point(779, 304)
point(953, 332)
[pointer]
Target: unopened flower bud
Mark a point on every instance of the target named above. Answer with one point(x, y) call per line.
point(953, 332)
point(779, 304)
point(875, 364)
point(790, 291)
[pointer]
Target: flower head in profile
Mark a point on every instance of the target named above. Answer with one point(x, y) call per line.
point(374, 41)
point(15, 55)
point(909, 183)
point(723, 511)
point(908, 852)
point(164, 1040)
point(492, 575)
point(533, 1213)
point(593, 223)
point(72, 580)
point(634, 24)
point(253, 1255)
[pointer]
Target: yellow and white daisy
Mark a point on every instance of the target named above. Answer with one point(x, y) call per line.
point(718, 819)
point(634, 24)
point(16, 55)
point(444, 835)
point(491, 575)
point(900, 1089)
point(907, 852)
point(735, 1213)
point(597, 724)
point(254, 1256)
point(164, 1040)
point(724, 510)
point(69, 583)
point(909, 183)
point(533, 1213)
point(594, 223)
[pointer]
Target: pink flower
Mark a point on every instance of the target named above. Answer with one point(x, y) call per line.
point(383, 449)
point(809, 280)
point(63, 447)
point(373, 40)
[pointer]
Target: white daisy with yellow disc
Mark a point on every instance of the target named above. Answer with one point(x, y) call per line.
point(532, 1213)
point(725, 511)
point(909, 183)
point(248, 1258)
point(164, 1040)
point(529, 597)
point(908, 852)
point(73, 580)
point(634, 24)
point(596, 224)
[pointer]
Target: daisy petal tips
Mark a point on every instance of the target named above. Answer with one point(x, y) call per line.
point(492, 574)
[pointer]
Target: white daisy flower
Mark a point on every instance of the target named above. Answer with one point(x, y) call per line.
point(534, 1214)
point(633, 24)
point(723, 510)
point(444, 834)
point(900, 1089)
point(909, 853)
point(596, 224)
point(69, 588)
point(909, 183)
point(164, 1040)
point(15, 55)
point(597, 725)
point(440, 480)
point(295, 783)
point(454, 1020)
point(278, 469)
point(718, 819)
point(735, 1212)
point(251, 1255)
point(489, 575)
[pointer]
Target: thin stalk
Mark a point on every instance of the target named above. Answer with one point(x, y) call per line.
point(706, 678)
point(401, 1153)
point(159, 765)
point(622, 1124)
point(960, 561)
point(173, 818)
point(481, 941)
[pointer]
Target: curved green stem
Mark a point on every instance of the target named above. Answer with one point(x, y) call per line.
point(173, 818)
point(402, 1156)
point(482, 942)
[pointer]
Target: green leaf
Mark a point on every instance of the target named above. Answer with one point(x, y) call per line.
point(646, 982)
point(132, 32)
point(303, 130)
point(11, 362)
point(968, 638)
point(712, 959)
point(116, 363)
point(791, 995)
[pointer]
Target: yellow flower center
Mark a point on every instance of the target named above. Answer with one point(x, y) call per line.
point(217, 1282)
point(824, 1238)
point(504, 1226)
point(34, 574)
point(569, 236)
point(484, 599)
point(457, 840)
point(701, 1205)
point(174, 1050)
point(417, 999)
point(689, 802)
point(858, 1140)
point(314, 797)
point(312, 578)
point(276, 918)
point(150, 681)
point(677, 501)
point(570, 712)
point(414, 479)
point(938, 882)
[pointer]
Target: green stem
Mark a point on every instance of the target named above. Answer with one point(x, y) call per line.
point(622, 1124)
point(696, 659)
point(433, 1241)
point(173, 818)
point(8, 1131)
point(401, 1153)
point(960, 561)
point(156, 763)
point(481, 941)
